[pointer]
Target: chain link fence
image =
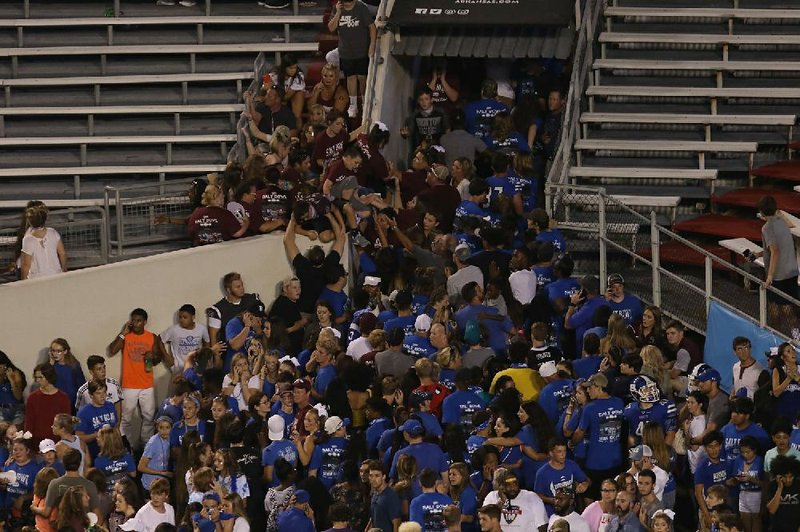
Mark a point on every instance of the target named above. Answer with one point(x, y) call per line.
point(84, 232)
point(147, 213)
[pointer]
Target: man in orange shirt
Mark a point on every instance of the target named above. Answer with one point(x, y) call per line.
point(141, 351)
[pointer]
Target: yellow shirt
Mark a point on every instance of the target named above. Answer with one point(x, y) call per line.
point(528, 382)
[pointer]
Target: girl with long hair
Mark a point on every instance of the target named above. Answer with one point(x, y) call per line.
point(568, 422)
point(462, 172)
point(653, 436)
point(232, 503)
point(786, 382)
point(463, 495)
point(68, 369)
point(127, 502)
point(618, 336)
point(290, 81)
point(653, 366)
point(73, 510)
point(651, 331)
point(43, 253)
point(12, 386)
point(229, 478)
point(305, 445)
point(43, 478)
point(114, 460)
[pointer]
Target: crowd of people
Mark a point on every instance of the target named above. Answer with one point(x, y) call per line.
point(454, 376)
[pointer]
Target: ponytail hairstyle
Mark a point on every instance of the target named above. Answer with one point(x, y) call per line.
point(36, 216)
point(66, 422)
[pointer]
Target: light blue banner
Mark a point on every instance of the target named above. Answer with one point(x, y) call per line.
point(723, 326)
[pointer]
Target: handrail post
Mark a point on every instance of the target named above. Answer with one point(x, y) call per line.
point(655, 249)
point(107, 204)
point(762, 305)
point(601, 220)
point(709, 281)
point(119, 222)
point(104, 234)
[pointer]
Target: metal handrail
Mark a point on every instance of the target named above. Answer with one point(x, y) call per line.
point(605, 201)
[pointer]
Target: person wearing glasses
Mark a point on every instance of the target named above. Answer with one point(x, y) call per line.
point(68, 369)
point(748, 374)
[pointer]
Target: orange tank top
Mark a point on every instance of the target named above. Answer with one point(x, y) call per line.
point(133, 374)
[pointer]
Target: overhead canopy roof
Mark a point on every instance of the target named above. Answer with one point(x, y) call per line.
point(482, 12)
point(508, 42)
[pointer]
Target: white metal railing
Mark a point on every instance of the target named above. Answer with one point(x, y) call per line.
point(84, 231)
point(147, 213)
point(588, 28)
point(630, 243)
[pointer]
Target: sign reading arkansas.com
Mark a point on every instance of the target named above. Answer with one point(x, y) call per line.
point(483, 12)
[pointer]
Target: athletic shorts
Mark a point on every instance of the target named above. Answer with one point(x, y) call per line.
point(354, 67)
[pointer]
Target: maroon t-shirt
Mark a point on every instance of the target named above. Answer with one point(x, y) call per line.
point(440, 98)
point(272, 203)
point(412, 182)
point(338, 172)
point(445, 199)
point(374, 167)
point(209, 225)
point(327, 148)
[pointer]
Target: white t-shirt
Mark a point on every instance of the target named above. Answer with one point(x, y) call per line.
point(147, 518)
point(526, 512)
point(523, 286)
point(241, 525)
point(576, 522)
point(184, 341)
point(358, 348)
point(697, 426)
point(749, 378)
point(43, 252)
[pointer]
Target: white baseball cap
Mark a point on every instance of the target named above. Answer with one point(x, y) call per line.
point(275, 427)
point(47, 445)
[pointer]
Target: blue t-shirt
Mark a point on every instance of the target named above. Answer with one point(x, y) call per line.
point(459, 407)
point(386, 315)
point(709, 473)
point(430, 423)
point(511, 455)
point(530, 467)
point(601, 419)
point(92, 418)
point(500, 185)
point(174, 412)
point(794, 440)
point(417, 346)
point(733, 436)
point(327, 460)
point(385, 507)
point(338, 300)
point(579, 450)
point(418, 303)
point(663, 412)
point(630, 309)
point(324, 377)
point(7, 394)
point(474, 242)
point(585, 367)
point(467, 209)
point(26, 474)
point(115, 468)
point(498, 328)
point(468, 504)
point(581, 319)
point(544, 276)
point(69, 379)
point(447, 377)
point(195, 378)
point(375, 429)
point(479, 116)
point(561, 289)
point(550, 479)
point(755, 471)
point(427, 510)
point(513, 142)
point(279, 449)
point(554, 236)
point(528, 187)
point(157, 450)
point(426, 454)
point(180, 429)
point(555, 397)
point(404, 322)
point(232, 329)
point(295, 520)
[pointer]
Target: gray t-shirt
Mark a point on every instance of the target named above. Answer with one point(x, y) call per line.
point(394, 363)
point(719, 411)
point(477, 357)
point(776, 232)
point(354, 32)
point(459, 143)
point(59, 487)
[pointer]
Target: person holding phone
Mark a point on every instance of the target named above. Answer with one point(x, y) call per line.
point(582, 306)
point(783, 494)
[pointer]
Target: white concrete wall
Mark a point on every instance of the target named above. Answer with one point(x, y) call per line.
point(88, 307)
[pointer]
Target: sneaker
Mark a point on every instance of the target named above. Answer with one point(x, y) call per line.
point(188, 3)
point(352, 111)
point(274, 4)
point(165, 2)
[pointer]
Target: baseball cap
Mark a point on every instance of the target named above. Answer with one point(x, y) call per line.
point(598, 379)
point(47, 445)
point(371, 280)
point(709, 375)
point(548, 369)
point(334, 423)
point(419, 396)
point(203, 524)
point(275, 427)
point(393, 295)
point(472, 333)
point(615, 278)
point(423, 323)
point(302, 383)
point(257, 309)
point(301, 497)
point(413, 427)
point(462, 252)
point(639, 452)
